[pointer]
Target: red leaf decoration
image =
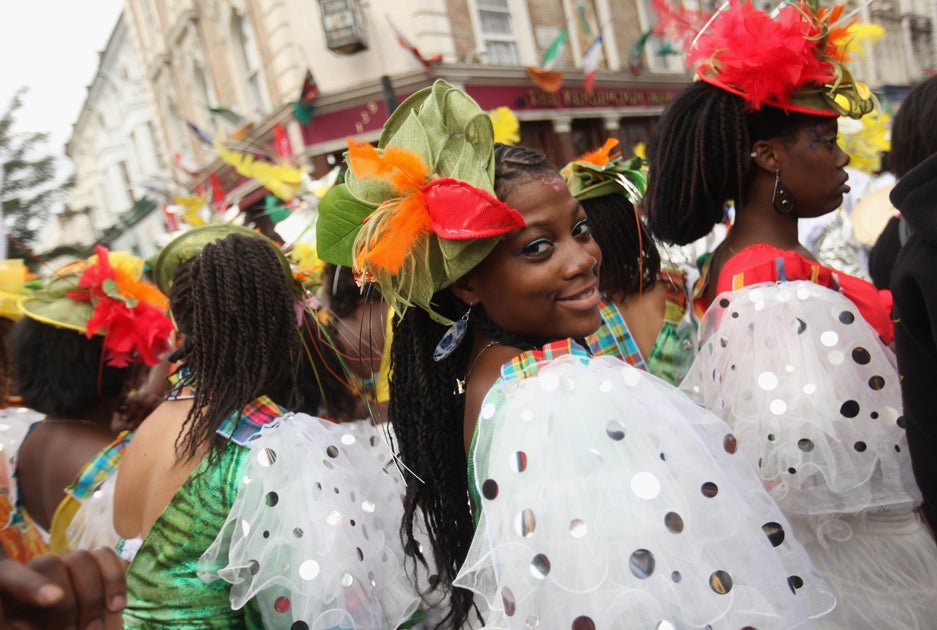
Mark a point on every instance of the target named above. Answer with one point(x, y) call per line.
point(461, 212)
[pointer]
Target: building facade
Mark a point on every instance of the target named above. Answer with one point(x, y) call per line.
point(233, 69)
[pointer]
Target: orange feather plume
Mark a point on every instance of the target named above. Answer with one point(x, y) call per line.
point(407, 221)
point(401, 168)
point(601, 156)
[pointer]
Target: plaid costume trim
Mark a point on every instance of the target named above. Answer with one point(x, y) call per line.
point(527, 364)
point(613, 337)
point(100, 468)
point(241, 426)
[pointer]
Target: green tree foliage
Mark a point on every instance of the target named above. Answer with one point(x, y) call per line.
point(29, 186)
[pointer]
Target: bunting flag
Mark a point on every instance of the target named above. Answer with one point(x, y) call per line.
point(426, 62)
point(590, 62)
point(172, 223)
point(282, 143)
point(282, 180)
point(218, 196)
point(305, 106)
point(231, 116)
point(547, 77)
point(186, 165)
point(191, 209)
point(201, 135)
point(636, 55)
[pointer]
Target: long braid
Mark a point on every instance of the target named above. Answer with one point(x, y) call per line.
point(428, 417)
point(704, 126)
point(234, 305)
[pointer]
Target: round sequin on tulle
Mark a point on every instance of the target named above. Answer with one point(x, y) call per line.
point(803, 294)
point(519, 461)
point(332, 451)
point(861, 356)
point(900, 422)
point(548, 382)
point(642, 564)
point(724, 303)
point(253, 566)
point(800, 326)
point(876, 383)
point(578, 528)
point(720, 582)
point(767, 381)
point(532, 621)
point(525, 523)
point(348, 439)
point(730, 444)
point(676, 576)
point(368, 506)
point(583, 623)
point(645, 485)
point(298, 532)
point(723, 342)
point(271, 499)
point(282, 604)
point(860, 446)
point(347, 580)
point(540, 566)
point(709, 489)
point(299, 625)
point(717, 376)
point(778, 407)
point(849, 409)
point(829, 338)
point(673, 522)
point(809, 389)
point(605, 386)
point(774, 532)
point(334, 518)
point(630, 376)
point(805, 445)
point(508, 601)
point(664, 625)
point(847, 317)
point(615, 430)
point(490, 489)
point(266, 457)
point(835, 357)
point(488, 411)
point(795, 582)
point(245, 528)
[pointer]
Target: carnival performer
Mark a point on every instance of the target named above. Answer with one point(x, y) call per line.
point(252, 516)
point(792, 353)
point(645, 308)
point(72, 355)
point(602, 496)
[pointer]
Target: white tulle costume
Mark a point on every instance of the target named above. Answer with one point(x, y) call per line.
point(813, 399)
point(610, 500)
point(331, 548)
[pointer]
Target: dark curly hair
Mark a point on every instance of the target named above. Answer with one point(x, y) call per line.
point(913, 132)
point(630, 260)
point(60, 372)
point(235, 307)
point(699, 158)
point(427, 416)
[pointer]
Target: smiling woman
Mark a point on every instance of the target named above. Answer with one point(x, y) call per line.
point(580, 470)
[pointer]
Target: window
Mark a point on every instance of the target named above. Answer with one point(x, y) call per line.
point(249, 61)
point(497, 32)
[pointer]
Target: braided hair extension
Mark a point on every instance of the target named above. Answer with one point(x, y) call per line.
point(630, 260)
point(913, 132)
point(427, 416)
point(697, 160)
point(235, 307)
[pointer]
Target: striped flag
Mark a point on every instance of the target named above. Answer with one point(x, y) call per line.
point(405, 43)
point(590, 62)
point(547, 77)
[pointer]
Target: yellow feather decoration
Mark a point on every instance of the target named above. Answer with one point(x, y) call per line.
point(507, 127)
point(282, 180)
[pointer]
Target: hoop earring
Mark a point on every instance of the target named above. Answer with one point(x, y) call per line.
point(453, 337)
point(782, 199)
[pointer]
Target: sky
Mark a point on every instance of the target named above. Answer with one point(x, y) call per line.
point(52, 47)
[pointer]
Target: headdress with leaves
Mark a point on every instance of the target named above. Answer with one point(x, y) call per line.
point(107, 296)
point(793, 59)
point(418, 212)
point(604, 172)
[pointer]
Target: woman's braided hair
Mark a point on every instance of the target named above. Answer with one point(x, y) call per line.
point(427, 416)
point(699, 158)
point(234, 305)
point(630, 260)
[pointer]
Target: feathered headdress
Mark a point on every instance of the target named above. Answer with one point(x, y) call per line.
point(106, 296)
point(794, 60)
point(604, 172)
point(419, 211)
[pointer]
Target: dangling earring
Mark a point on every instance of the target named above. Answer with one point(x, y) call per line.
point(453, 337)
point(782, 199)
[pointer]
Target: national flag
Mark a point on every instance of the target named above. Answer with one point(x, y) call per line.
point(636, 56)
point(231, 116)
point(590, 62)
point(201, 135)
point(547, 77)
point(305, 105)
point(427, 62)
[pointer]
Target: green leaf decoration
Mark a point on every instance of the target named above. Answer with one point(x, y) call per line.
point(340, 218)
